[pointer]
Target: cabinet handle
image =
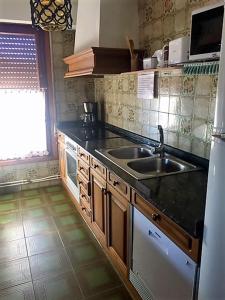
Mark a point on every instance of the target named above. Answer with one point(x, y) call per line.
point(155, 217)
point(82, 196)
point(95, 166)
point(84, 208)
point(81, 168)
point(104, 191)
point(81, 182)
point(81, 154)
point(115, 183)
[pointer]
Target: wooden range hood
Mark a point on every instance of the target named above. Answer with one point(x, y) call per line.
point(100, 61)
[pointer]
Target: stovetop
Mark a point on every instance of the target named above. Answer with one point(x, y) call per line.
point(90, 133)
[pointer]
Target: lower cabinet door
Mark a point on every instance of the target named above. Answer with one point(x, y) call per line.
point(117, 223)
point(98, 205)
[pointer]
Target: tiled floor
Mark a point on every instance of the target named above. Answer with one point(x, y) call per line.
point(47, 251)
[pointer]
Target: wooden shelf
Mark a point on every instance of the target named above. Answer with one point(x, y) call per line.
point(100, 61)
point(167, 69)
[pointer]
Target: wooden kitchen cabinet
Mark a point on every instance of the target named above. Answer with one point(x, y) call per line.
point(98, 167)
point(100, 60)
point(183, 240)
point(118, 184)
point(83, 169)
point(117, 226)
point(98, 206)
point(83, 155)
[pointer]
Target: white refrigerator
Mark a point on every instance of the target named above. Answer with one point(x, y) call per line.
point(212, 270)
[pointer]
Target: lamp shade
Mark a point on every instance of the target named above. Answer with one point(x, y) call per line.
point(51, 15)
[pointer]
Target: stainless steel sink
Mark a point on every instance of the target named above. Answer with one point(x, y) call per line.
point(130, 152)
point(140, 162)
point(157, 165)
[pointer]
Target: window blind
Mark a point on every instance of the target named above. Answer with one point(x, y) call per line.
point(18, 62)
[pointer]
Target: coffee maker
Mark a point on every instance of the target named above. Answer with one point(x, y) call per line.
point(90, 115)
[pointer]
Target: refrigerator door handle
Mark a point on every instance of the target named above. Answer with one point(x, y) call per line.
point(218, 135)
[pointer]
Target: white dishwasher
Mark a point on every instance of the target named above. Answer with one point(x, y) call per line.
point(159, 269)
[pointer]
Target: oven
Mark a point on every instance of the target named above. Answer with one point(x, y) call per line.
point(72, 167)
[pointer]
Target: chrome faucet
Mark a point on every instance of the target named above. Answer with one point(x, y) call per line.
point(161, 148)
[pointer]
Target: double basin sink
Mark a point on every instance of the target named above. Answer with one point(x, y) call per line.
point(141, 162)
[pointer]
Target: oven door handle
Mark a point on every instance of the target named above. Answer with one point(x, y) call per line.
point(71, 153)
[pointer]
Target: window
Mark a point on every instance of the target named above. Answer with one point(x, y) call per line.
point(26, 98)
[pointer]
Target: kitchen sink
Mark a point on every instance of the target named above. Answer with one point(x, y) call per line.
point(130, 152)
point(157, 165)
point(140, 162)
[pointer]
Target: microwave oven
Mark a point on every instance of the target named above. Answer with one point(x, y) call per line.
point(206, 32)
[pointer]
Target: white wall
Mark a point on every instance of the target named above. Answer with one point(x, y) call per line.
point(15, 10)
point(18, 11)
point(88, 24)
point(105, 23)
point(119, 18)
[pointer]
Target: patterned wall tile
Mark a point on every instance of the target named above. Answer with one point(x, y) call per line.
point(185, 125)
point(69, 93)
point(175, 105)
point(184, 115)
point(184, 143)
point(188, 86)
point(187, 105)
point(203, 86)
point(201, 107)
point(163, 20)
point(200, 129)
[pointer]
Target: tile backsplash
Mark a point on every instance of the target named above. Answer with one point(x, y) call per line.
point(163, 20)
point(184, 107)
point(70, 92)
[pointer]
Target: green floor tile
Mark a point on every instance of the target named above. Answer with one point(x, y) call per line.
point(35, 227)
point(38, 212)
point(53, 189)
point(115, 294)
point(49, 264)
point(30, 193)
point(12, 250)
point(11, 232)
point(7, 197)
point(68, 220)
point(58, 197)
point(43, 211)
point(43, 243)
point(64, 286)
point(8, 206)
point(14, 273)
point(61, 208)
point(98, 277)
point(20, 292)
point(10, 218)
point(32, 202)
point(74, 235)
point(85, 253)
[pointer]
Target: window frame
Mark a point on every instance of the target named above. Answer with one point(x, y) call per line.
point(46, 82)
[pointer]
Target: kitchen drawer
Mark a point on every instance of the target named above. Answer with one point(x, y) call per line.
point(83, 169)
point(119, 185)
point(187, 243)
point(86, 211)
point(84, 184)
point(98, 167)
point(84, 198)
point(84, 155)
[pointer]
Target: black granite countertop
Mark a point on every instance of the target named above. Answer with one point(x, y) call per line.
point(181, 197)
